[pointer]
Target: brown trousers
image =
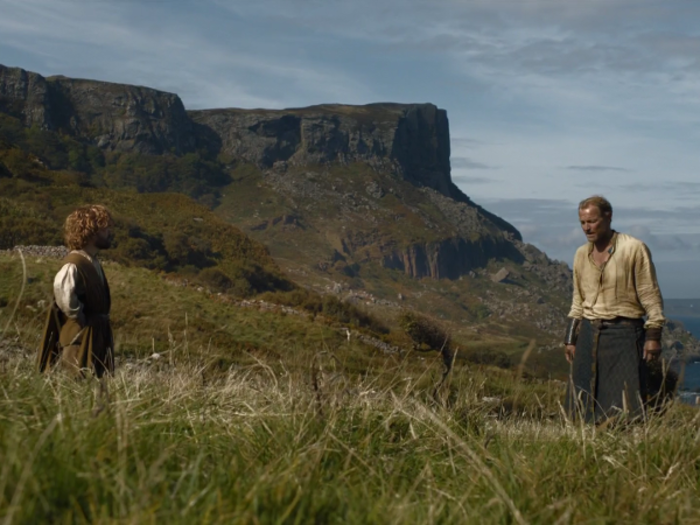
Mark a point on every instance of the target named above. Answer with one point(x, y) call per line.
point(69, 362)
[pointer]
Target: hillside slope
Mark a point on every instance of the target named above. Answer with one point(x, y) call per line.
point(355, 201)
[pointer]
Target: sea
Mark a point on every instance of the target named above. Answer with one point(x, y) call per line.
point(690, 390)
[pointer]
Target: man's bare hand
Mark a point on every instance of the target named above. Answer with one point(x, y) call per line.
point(652, 350)
point(569, 351)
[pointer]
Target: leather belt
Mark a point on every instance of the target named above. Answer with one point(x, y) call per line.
point(601, 324)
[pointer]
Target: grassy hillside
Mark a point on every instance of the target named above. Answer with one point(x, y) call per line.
point(167, 232)
point(45, 175)
point(327, 228)
point(154, 313)
point(308, 216)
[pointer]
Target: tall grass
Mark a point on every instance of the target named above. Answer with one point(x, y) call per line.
point(262, 444)
point(320, 434)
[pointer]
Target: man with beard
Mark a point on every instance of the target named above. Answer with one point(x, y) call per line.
point(78, 334)
point(608, 342)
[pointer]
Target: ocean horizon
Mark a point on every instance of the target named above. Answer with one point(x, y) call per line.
point(690, 389)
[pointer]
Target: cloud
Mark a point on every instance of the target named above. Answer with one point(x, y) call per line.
point(552, 226)
point(595, 168)
point(464, 179)
point(616, 57)
point(675, 217)
point(684, 189)
point(464, 163)
point(465, 143)
point(205, 63)
point(661, 242)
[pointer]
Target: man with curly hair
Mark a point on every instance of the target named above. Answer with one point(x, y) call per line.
point(78, 334)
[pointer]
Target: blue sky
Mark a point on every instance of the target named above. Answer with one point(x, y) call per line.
point(549, 101)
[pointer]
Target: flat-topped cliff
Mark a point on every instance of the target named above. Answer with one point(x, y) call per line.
point(115, 117)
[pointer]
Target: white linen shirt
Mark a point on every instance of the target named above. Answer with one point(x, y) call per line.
point(67, 286)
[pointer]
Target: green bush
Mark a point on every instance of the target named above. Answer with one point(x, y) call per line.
point(22, 225)
point(215, 279)
point(250, 278)
point(425, 333)
point(190, 174)
point(329, 306)
point(490, 357)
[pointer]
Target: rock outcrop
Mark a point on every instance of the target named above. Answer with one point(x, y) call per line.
point(115, 117)
point(25, 95)
point(411, 139)
point(448, 258)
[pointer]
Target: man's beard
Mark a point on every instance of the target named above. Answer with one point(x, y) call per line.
point(103, 243)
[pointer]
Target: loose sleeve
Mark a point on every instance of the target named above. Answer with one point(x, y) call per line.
point(576, 311)
point(66, 288)
point(648, 292)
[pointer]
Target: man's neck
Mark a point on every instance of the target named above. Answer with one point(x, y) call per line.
point(91, 249)
point(602, 244)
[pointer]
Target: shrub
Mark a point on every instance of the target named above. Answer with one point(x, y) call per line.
point(490, 357)
point(329, 305)
point(425, 333)
point(215, 279)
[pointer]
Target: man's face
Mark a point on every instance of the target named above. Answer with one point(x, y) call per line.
point(594, 224)
point(103, 239)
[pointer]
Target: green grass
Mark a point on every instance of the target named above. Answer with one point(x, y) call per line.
point(252, 416)
point(152, 313)
point(318, 445)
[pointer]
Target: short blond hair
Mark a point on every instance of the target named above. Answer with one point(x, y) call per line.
point(599, 202)
point(83, 224)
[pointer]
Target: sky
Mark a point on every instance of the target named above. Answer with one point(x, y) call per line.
point(549, 101)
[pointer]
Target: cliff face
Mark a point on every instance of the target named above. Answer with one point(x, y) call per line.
point(115, 117)
point(421, 145)
point(411, 139)
point(449, 258)
point(408, 143)
point(121, 118)
point(25, 95)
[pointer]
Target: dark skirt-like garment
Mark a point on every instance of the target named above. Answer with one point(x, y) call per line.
point(609, 373)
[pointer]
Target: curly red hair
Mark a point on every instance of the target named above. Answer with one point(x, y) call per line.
point(83, 224)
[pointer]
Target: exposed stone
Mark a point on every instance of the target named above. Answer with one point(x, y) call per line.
point(411, 140)
point(500, 276)
point(111, 116)
point(446, 259)
point(374, 190)
point(49, 252)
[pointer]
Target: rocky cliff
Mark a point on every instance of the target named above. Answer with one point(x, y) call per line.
point(413, 139)
point(410, 140)
point(408, 143)
point(447, 258)
point(115, 117)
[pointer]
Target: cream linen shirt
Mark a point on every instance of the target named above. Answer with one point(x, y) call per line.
point(624, 286)
point(67, 287)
